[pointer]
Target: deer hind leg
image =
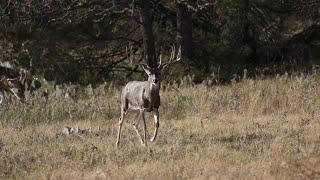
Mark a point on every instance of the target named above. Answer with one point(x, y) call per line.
point(156, 124)
point(123, 112)
point(136, 124)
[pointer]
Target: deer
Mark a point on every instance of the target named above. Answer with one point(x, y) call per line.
point(143, 96)
point(15, 86)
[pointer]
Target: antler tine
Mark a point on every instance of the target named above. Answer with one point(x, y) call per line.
point(131, 58)
point(160, 62)
point(179, 54)
point(172, 54)
point(173, 58)
point(130, 54)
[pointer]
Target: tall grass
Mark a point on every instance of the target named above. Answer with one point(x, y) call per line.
point(262, 128)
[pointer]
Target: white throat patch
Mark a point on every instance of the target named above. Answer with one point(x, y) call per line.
point(155, 85)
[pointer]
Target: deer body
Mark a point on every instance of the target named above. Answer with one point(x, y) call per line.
point(143, 96)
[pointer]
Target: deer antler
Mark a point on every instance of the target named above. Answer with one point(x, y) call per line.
point(131, 59)
point(173, 59)
point(129, 56)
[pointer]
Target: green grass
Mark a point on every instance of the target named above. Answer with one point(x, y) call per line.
point(253, 129)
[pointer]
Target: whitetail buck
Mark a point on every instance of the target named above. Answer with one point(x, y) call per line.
point(15, 86)
point(143, 96)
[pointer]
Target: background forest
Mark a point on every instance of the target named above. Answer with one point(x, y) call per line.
point(89, 41)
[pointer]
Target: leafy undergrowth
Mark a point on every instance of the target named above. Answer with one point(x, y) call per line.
point(250, 129)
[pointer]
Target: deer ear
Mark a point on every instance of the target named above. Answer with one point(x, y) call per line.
point(146, 68)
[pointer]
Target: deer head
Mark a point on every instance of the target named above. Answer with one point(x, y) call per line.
point(155, 73)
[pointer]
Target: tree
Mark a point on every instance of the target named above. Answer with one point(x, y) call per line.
point(145, 14)
point(184, 29)
point(248, 38)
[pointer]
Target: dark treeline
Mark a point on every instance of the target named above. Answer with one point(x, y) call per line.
point(89, 41)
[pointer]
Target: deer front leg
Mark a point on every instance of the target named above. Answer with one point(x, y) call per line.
point(144, 128)
point(156, 124)
point(136, 121)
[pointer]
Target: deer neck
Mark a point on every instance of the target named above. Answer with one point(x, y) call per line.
point(152, 90)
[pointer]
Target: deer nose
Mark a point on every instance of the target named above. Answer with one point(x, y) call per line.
point(155, 80)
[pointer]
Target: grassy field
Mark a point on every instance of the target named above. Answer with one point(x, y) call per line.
point(250, 129)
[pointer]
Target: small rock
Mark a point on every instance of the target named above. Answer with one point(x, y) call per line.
point(66, 130)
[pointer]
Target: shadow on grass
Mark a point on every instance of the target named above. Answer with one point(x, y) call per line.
point(244, 138)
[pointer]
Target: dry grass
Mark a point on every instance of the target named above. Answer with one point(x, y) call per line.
point(251, 129)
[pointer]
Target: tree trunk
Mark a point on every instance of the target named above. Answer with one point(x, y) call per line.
point(184, 29)
point(147, 33)
point(247, 34)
